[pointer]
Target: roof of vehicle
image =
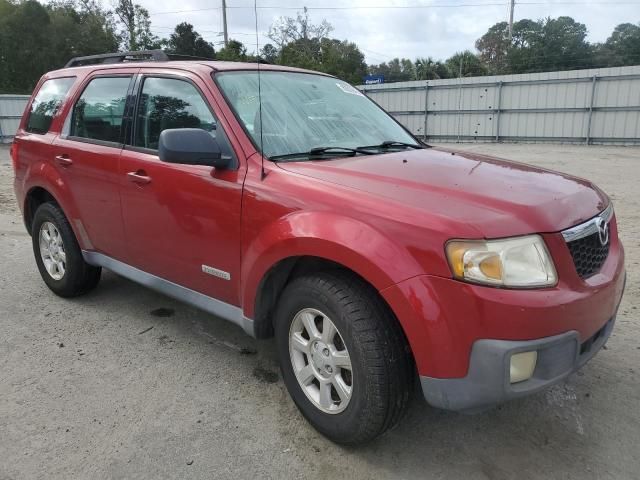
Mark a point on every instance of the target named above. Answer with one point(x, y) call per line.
point(218, 66)
point(159, 59)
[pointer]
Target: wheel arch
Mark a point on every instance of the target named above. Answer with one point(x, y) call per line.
point(283, 272)
point(306, 241)
point(36, 196)
point(43, 183)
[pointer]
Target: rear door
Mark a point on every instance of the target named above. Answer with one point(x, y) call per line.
point(182, 222)
point(38, 130)
point(88, 151)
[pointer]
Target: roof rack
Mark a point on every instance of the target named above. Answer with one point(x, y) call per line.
point(123, 57)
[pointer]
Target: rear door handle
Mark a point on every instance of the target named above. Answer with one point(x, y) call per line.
point(64, 160)
point(140, 177)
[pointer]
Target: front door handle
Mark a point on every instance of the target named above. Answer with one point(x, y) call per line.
point(64, 160)
point(140, 177)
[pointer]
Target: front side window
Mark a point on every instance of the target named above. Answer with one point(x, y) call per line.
point(169, 103)
point(97, 115)
point(46, 104)
point(301, 112)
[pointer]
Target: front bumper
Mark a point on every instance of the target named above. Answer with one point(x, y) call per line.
point(488, 381)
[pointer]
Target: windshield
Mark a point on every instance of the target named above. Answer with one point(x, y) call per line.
point(301, 112)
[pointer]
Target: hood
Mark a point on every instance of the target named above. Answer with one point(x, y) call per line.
point(496, 198)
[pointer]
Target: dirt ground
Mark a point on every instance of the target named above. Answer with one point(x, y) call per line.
point(126, 383)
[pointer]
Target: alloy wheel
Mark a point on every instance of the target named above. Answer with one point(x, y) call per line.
point(320, 360)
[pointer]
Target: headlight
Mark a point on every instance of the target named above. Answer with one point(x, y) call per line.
point(521, 262)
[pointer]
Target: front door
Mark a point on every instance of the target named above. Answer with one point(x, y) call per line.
point(182, 222)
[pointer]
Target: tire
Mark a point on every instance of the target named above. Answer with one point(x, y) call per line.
point(381, 378)
point(70, 275)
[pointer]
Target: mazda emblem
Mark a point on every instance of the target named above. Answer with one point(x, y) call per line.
point(603, 231)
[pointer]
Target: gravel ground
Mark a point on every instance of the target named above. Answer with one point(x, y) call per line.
point(126, 383)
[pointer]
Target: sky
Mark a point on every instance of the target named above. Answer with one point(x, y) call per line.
point(384, 30)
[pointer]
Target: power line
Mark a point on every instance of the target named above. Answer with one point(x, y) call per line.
point(399, 7)
point(337, 7)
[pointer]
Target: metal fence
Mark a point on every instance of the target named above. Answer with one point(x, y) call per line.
point(598, 106)
point(11, 108)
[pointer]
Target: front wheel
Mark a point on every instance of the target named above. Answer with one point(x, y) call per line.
point(343, 357)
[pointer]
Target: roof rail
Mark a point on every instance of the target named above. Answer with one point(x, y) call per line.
point(122, 57)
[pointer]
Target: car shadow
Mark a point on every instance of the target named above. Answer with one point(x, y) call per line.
point(548, 428)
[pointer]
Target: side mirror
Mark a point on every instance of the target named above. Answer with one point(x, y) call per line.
point(191, 146)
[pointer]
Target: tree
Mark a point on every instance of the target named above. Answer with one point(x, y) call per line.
point(186, 41)
point(465, 64)
point(624, 44)
point(287, 29)
point(80, 28)
point(234, 51)
point(494, 47)
point(342, 59)
point(430, 69)
point(23, 58)
point(396, 70)
point(269, 53)
point(562, 45)
point(56, 32)
point(136, 33)
point(536, 46)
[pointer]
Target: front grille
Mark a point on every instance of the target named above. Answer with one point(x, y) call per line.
point(588, 254)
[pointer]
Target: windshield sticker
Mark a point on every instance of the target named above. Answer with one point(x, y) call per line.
point(346, 88)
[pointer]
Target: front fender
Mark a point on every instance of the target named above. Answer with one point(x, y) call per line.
point(344, 240)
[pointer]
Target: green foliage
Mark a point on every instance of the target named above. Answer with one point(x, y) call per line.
point(624, 44)
point(186, 41)
point(56, 32)
point(234, 51)
point(269, 53)
point(36, 38)
point(329, 55)
point(396, 70)
point(537, 46)
point(430, 69)
point(306, 45)
point(136, 26)
point(494, 47)
point(465, 64)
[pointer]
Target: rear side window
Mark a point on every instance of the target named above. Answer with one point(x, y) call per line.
point(170, 103)
point(97, 115)
point(46, 104)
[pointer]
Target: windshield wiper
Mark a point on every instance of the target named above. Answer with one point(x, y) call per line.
point(320, 152)
point(387, 144)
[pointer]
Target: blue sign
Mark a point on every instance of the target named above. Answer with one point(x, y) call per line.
point(373, 79)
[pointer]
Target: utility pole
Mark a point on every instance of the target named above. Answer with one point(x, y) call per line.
point(224, 22)
point(512, 6)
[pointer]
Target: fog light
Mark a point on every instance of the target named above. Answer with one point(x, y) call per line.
point(522, 366)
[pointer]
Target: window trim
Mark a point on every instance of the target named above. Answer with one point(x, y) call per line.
point(58, 110)
point(70, 114)
point(137, 98)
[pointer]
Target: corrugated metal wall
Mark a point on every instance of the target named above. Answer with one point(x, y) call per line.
point(11, 108)
point(581, 106)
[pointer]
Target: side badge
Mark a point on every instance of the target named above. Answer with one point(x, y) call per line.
point(216, 273)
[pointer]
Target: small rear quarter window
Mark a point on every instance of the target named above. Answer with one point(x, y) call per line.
point(46, 103)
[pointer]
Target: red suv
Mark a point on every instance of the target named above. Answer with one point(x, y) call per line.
point(290, 204)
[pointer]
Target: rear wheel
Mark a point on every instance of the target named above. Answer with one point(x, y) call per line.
point(343, 357)
point(58, 254)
